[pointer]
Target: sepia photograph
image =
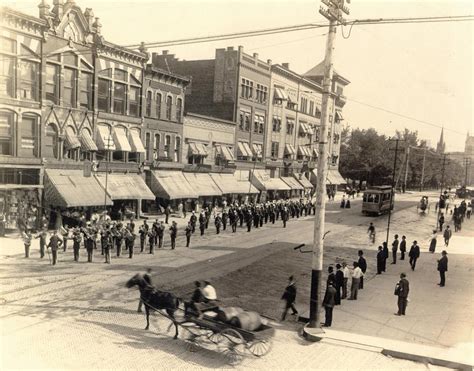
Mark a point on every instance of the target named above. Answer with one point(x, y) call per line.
point(236, 184)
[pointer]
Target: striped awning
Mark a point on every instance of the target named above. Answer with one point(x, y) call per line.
point(292, 183)
point(71, 139)
point(310, 129)
point(233, 184)
point(289, 149)
point(87, 144)
point(303, 128)
point(244, 149)
point(303, 180)
point(171, 185)
point(135, 142)
point(315, 152)
point(339, 116)
point(225, 152)
point(202, 184)
point(121, 141)
point(280, 94)
point(197, 149)
point(104, 139)
point(258, 149)
point(125, 187)
point(70, 188)
point(262, 180)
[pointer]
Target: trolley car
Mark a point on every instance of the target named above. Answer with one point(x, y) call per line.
point(377, 200)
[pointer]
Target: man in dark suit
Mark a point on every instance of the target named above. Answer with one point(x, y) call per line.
point(385, 254)
point(329, 302)
point(331, 275)
point(54, 243)
point(401, 290)
point(380, 260)
point(167, 213)
point(443, 268)
point(173, 234)
point(403, 247)
point(363, 267)
point(394, 249)
point(289, 296)
point(414, 254)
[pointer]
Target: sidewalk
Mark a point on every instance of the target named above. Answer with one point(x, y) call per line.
point(439, 321)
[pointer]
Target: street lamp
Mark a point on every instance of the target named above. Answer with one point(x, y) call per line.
point(109, 139)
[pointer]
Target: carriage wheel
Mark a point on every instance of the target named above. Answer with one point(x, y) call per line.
point(215, 337)
point(232, 346)
point(260, 347)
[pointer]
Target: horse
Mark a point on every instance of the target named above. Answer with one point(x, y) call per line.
point(155, 299)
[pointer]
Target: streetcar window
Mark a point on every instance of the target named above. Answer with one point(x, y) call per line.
point(364, 198)
point(376, 199)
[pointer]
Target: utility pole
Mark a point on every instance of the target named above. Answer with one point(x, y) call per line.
point(406, 168)
point(441, 191)
point(333, 13)
point(423, 170)
point(397, 141)
point(109, 139)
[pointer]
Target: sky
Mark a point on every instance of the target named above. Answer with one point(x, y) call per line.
point(420, 71)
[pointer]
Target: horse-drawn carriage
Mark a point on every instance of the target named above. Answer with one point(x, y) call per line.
point(231, 331)
point(423, 205)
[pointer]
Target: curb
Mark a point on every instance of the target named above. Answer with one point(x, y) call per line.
point(316, 335)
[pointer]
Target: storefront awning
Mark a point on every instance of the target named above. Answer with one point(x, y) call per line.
point(70, 188)
point(292, 183)
point(303, 180)
point(87, 144)
point(289, 149)
point(171, 185)
point(280, 94)
point(315, 152)
point(197, 149)
point(72, 141)
point(262, 181)
point(126, 187)
point(303, 128)
point(307, 150)
point(203, 184)
point(121, 141)
point(339, 116)
point(225, 152)
point(258, 149)
point(333, 176)
point(244, 149)
point(310, 129)
point(105, 141)
point(232, 184)
point(135, 142)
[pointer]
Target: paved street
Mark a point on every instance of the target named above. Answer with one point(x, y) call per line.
point(65, 311)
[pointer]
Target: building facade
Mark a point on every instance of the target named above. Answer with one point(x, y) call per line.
point(234, 86)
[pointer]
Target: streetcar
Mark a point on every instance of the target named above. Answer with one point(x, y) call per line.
point(377, 200)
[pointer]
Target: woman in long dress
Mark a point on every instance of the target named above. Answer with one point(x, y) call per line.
point(433, 242)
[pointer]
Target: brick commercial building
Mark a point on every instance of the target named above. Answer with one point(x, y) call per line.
point(233, 86)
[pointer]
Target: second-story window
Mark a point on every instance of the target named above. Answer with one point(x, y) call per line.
point(290, 126)
point(134, 101)
point(148, 103)
point(120, 91)
point(103, 101)
point(69, 88)
point(246, 89)
point(29, 80)
point(274, 153)
point(167, 146)
point(52, 83)
point(169, 105)
point(276, 127)
point(85, 93)
point(156, 147)
point(177, 148)
point(158, 105)
point(179, 109)
point(311, 108)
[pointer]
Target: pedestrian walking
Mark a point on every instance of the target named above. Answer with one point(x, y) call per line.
point(43, 236)
point(107, 243)
point(441, 222)
point(54, 243)
point(65, 235)
point(151, 241)
point(202, 222)
point(380, 260)
point(147, 279)
point(289, 296)
point(193, 221)
point(443, 268)
point(356, 275)
point(402, 289)
point(188, 231)
point(173, 234)
point(394, 249)
point(339, 282)
point(167, 213)
point(161, 234)
point(76, 244)
point(218, 223)
point(447, 235)
point(331, 275)
point(403, 247)
point(414, 254)
point(347, 273)
point(433, 241)
point(362, 263)
point(27, 237)
point(130, 242)
point(328, 303)
point(142, 232)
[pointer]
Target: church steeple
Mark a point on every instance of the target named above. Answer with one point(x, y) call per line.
point(441, 146)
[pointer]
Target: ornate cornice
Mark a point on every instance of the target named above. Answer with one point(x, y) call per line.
point(22, 21)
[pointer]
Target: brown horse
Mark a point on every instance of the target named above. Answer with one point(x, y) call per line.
point(155, 299)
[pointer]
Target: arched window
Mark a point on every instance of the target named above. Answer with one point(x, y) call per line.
point(167, 146)
point(158, 105)
point(169, 104)
point(179, 108)
point(51, 149)
point(148, 104)
point(6, 134)
point(156, 147)
point(177, 148)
